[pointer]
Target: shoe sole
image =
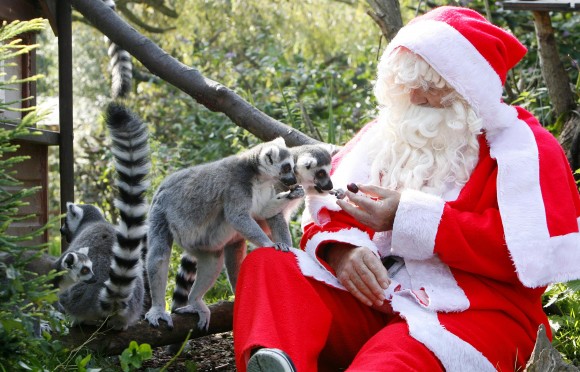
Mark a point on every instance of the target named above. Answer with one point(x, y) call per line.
point(270, 360)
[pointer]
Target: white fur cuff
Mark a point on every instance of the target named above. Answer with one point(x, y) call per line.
point(416, 224)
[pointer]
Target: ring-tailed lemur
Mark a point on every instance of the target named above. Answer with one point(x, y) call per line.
point(120, 65)
point(312, 169)
point(206, 207)
point(75, 266)
point(117, 295)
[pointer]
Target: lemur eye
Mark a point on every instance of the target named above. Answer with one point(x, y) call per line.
point(286, 168)
point(321, 174)
point(85, 270)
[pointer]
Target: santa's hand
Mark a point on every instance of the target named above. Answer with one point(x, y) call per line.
point(361, 272)
point(373, 206)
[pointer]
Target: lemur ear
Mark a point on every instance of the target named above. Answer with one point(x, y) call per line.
point(279, 141)
point(69, 260)
point(332, 149)
point(306, 162)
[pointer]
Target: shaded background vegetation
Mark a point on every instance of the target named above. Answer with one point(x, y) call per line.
point(309, 63)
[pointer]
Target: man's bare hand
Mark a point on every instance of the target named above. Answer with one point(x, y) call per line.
point(377, 213)
point(361, 272)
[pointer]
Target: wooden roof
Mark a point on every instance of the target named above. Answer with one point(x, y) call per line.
point(542, 5)
point(12, 10)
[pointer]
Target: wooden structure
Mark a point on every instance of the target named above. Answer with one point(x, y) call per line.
point(34, 171)
point(542, 5)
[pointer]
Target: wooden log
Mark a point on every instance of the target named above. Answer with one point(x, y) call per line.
point(110, 342)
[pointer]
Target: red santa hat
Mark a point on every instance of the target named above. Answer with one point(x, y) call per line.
point(469, 52)
point(499, 48)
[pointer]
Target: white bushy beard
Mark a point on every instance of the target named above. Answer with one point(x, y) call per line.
point(424, 148)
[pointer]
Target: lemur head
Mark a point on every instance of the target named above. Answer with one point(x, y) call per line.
point(276, 162)
point(77, 267)
point(313, 163)
point(76, 216)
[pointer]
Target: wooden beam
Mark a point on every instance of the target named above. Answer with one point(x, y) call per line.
point(545, 5)
point(12, 10)
point(40, 136)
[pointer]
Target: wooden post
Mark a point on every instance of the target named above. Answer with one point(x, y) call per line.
point(66, 156)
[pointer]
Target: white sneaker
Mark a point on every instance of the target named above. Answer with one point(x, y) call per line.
point(270, 360)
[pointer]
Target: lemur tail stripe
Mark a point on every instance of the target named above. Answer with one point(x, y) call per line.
point(131, 152)
point(120, 65)
point(184, 281)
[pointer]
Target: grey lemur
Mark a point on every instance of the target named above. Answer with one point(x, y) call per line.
point(120, 65)
point(118, 292)
point(207, 208)
point(312, 165)
point(75, 266)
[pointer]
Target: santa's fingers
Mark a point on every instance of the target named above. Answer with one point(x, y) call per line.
point(375, 191)
point(359, 214)
point(370, 286)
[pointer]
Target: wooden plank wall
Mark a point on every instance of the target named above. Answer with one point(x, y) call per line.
point(32, 172)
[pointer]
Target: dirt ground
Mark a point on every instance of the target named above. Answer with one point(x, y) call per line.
point(204, 354)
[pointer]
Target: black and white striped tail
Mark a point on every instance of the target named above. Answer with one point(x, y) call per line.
point(120, 65)
point(184, 281)
point(131, 152)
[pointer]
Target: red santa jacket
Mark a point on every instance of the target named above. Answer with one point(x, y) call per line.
point(493, 244)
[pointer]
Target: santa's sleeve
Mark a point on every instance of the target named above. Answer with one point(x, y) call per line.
point(339, 231)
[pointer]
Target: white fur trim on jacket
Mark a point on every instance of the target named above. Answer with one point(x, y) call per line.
point(455, 354)
point(539, 258)
point(416, 223)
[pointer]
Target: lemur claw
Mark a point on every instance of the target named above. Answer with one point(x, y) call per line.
point(282, 247)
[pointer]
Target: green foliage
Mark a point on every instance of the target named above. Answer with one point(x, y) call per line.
point(25, 298)
point(563, 307)
point(134, 356)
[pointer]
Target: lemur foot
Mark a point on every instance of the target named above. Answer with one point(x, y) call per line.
point(282, 247)
point(155, 314)
point(118, 324)
point(200, 309)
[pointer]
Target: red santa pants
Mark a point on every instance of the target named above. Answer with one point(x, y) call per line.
point(326, 329)
point(318, 326)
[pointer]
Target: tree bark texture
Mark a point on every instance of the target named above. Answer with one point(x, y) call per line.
point(387, 15)
point(110, 342)
point(555, 76)
point(213, 95)
point(545, 358)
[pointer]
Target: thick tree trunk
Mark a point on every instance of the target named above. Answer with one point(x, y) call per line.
point(558, 84)
point(553, 71)
point(387, 15)
point(109, 342)
point(209, 93)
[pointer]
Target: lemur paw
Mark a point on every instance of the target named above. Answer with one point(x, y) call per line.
point(282, 247)
point(296, 193)
point(155, 314)
point(200, 309)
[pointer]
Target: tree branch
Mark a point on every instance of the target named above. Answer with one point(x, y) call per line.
point(110, 342)
point(207, 92)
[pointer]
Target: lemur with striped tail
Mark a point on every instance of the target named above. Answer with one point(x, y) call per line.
point(312, 165)
point(117, 294)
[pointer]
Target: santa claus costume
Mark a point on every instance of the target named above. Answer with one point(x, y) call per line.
point(477, 256)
